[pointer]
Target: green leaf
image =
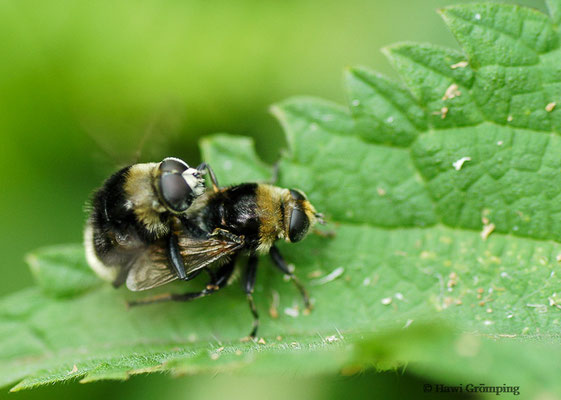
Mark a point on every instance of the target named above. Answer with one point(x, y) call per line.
point(500, 34)
point(62, 271)
point(234, 157)
point(445, 199)
point(384, 111)
point(554, 7)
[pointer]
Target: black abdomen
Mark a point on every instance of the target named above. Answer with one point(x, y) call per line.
point(235, 210)
point(116, 232)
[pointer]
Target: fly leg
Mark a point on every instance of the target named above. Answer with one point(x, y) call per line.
point(228, 235)
point(204, 166)
point(281, 264)
point(218, 281)
point(248, 285)
point(175, 259)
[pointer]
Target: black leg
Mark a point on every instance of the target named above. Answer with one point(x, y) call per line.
point(205, 166)
point(248, 285)
point(121, 277)
point(220, 280)
point(210, 273)
point(174, 256)
point(279, 262)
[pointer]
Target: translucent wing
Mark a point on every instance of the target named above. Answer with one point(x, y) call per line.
point(152, 269)
point(199, 253)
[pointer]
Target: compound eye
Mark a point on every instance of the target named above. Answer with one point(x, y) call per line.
point(171, 164)
point(297, 195)
point(175, 192)
point(299, 224)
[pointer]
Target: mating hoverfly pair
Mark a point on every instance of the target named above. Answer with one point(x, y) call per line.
point(154, 223)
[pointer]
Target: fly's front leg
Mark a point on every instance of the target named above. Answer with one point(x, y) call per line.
point(204, 166)
point(248, 285)
point(174, 257)
point(281, 264)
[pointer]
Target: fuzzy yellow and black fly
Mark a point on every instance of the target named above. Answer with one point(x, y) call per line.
point(154, 223)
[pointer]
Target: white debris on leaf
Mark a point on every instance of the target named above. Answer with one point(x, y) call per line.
point(541, 308)
point(452, 281)
point(461, 64)
point(331, 339)
point(488, 226)
point(500, 143)
point(509, 118)
point(407, 323)
point(292, 311)
point(273, 309)
point(554, 301)
point(386, 301)
point(451, 92)
point(487, 230)
point(443, 112)
point(336, 273)
point(458, 164)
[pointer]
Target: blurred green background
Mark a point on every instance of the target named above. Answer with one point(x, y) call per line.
point(86, 87)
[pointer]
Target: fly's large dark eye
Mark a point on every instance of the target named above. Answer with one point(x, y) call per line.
point(297, 195)
point(173, 165)
point(299, 224)
point(175, 192)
